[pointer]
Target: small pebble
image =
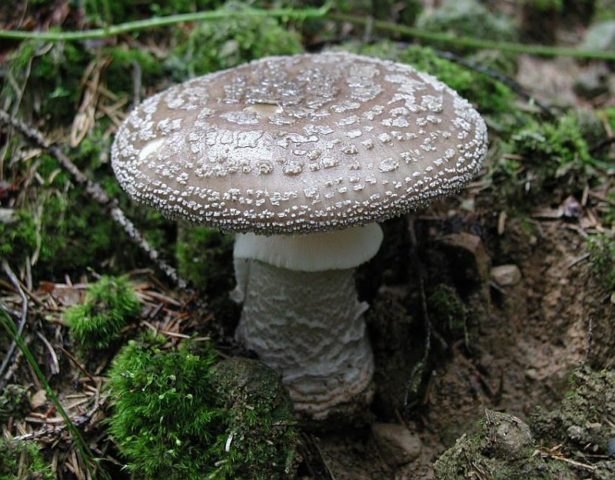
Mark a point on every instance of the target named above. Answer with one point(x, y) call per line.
point(611, 447)
point(506, 275)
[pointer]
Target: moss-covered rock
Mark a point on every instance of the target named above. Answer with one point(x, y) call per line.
point(178, 415)
point(584, 419)
point(109, 305)
point(501, 449)
point(264, 440)
point(22, 461)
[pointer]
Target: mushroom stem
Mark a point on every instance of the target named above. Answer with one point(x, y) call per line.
point(302, 317)
point(309, 327)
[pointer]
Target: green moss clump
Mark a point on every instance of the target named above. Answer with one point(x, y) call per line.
point(488, 94)
point(602, 251)
point(213, 46)
point(97, 323)
point(547, 156)
point(18, 238)
point(468, 18)
point(447, 310)
point(177, 416)
point(14, 402)
point(22, 461)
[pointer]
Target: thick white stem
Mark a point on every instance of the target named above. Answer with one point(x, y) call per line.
point(309, 327)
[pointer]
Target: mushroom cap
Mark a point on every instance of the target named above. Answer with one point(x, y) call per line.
point(299, 143)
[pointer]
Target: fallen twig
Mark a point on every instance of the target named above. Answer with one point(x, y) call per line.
point(96, 192)
point(78, 421)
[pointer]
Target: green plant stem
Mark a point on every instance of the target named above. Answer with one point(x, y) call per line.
point(82, 446)
point(469, 42)
point(302, 14)
point(114, 30)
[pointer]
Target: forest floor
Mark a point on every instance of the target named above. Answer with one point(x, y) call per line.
point(499, 299)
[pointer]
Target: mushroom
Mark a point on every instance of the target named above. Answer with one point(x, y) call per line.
point(302, 156)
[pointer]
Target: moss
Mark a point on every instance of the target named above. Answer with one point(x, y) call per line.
point(468, 18)
point(22, 461)
point(205, 257)
point(75, 233)
point(213, 46)
point(609, 115)
point(582, 420)
point(178, 416)
point(502, 448)
point(102, 12)
point(545, 156)
point(67, 229)
point(545, 5)
point(14, 402)
point(602, 256)
point(488, 94)
point(52, 74)
point(447, 311)
point(260, 419)
point(119, 73)
point(109, 305)
point(18, 238)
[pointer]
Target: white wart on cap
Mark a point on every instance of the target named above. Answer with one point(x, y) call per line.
point(299, 144)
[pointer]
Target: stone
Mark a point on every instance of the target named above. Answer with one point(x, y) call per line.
point(506, 275)
point(507, 436)
point(7, 215)
point(600, 36)
point(396, 443)
point(593, 82)
point(466, 251)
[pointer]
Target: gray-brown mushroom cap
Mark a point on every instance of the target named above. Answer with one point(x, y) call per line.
point(298, 144)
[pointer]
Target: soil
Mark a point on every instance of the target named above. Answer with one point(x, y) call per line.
point(521, 356)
